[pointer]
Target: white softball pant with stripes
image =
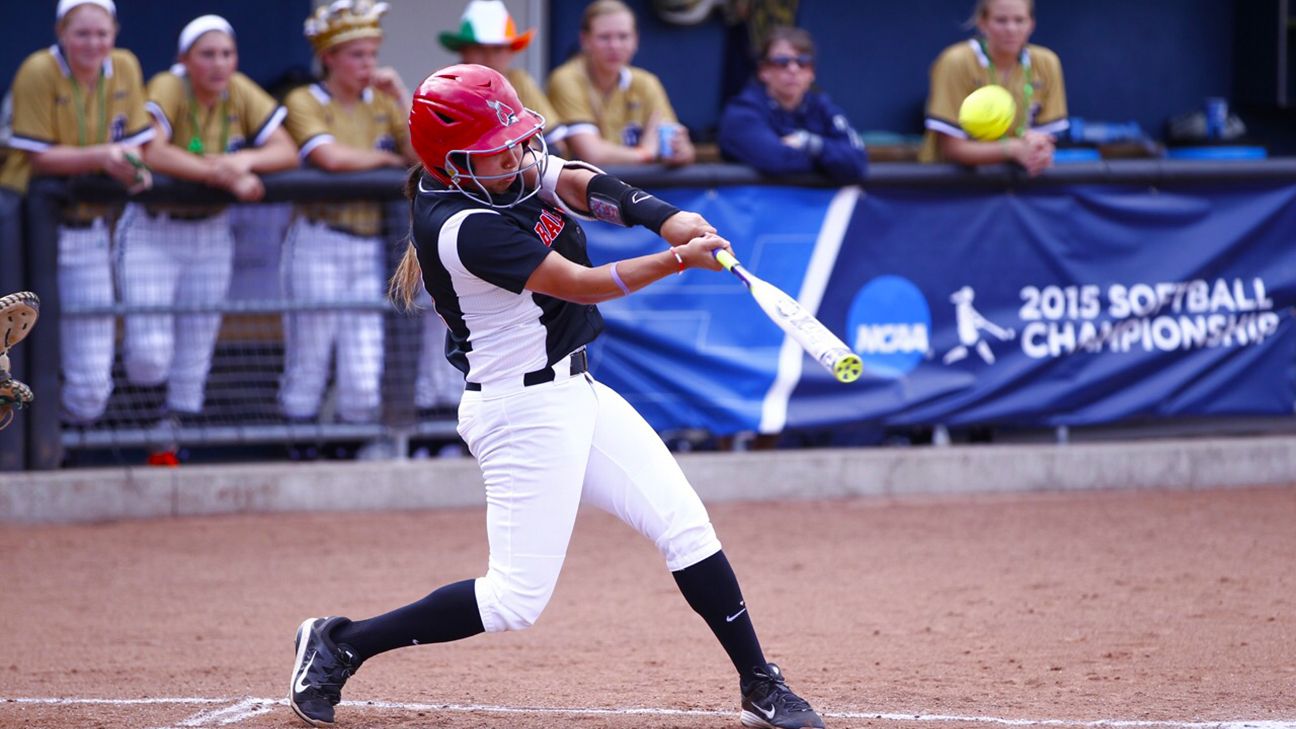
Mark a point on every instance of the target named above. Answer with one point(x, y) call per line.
point(322, 265)
point(165, 262)
point(546, 449)
point(87, 342)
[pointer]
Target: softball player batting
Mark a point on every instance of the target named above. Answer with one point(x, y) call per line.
point(352, 120)
point(215, 126)
point(79, 109)
point(495, 244)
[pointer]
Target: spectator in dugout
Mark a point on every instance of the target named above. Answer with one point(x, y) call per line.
point(79, 109)
point(354, 119)
point(217, 127)
point(781, 126)
point(999, 54)
point(614, 112)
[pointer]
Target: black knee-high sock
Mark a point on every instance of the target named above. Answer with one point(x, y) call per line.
point(449, 613)
point(711, 589)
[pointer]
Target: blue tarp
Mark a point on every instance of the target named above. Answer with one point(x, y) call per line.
point(1075, 305)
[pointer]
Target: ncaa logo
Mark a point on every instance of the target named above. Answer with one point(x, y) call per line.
point(888, 326)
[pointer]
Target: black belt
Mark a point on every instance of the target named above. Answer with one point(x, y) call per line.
point(579, 365)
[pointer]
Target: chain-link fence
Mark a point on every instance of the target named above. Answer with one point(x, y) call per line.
point(184, 321)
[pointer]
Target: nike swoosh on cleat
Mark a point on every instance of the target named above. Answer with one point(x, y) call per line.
point(300, 685)
point(731, 618)
point(769, 713)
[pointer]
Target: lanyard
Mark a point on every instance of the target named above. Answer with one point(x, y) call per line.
point(1028, 88)
point(78, 104)
point(195, 141)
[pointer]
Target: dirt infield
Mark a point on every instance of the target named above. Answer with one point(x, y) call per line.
point(1165, 607)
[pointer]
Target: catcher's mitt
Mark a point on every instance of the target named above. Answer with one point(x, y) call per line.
point(14, 395)
point(18, 313)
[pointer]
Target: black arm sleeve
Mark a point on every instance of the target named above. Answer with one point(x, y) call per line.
point(613, 201)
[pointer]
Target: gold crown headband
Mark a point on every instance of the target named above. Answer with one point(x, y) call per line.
point(342, 21)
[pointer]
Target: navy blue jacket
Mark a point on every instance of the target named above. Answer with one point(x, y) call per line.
point(753, 125)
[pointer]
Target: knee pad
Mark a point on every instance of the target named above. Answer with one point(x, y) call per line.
point(508, 608)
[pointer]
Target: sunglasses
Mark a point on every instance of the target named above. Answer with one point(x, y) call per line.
point(804, 60)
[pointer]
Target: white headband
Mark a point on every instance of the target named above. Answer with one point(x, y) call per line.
point(66, 6)
point(200, 25)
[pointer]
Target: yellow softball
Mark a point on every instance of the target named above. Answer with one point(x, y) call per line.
point(987, 113)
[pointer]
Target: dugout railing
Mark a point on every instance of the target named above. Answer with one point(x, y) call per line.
point(249, 352)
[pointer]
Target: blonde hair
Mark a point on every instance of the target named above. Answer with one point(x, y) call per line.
point(982, 10)
point(599, 8)
point(403, 288)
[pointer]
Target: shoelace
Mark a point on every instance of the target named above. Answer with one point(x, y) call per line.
point(778, 692)
point(330, 683)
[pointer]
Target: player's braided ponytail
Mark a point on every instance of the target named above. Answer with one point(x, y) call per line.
point(404, 285)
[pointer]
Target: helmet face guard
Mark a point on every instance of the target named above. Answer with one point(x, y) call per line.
point(464, 113)
point(534, 160)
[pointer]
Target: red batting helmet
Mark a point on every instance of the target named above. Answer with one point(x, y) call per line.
point(468, 110)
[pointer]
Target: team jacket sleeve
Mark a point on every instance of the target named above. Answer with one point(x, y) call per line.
point(570, 100)
point(1052, 117)
point(305, 122)
point(657, 100)
point(139, 127)
point(843, 157)
point(536, 100)
point(33, 110)
point(948, 89)
point(261, 115)
point(166, 97)
point(746, 136)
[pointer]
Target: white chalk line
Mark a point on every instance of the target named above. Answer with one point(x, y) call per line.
point(237, 710)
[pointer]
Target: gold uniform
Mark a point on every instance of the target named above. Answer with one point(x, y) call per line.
point(314, 118)
point(170, 254)
point(50, 109)
point(964, 67)
point(534, 99)
point(619, 117)
point(245, 117)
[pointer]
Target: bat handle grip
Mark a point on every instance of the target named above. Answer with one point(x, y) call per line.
point(725, 258)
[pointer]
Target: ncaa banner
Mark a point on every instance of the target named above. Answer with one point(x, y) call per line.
point(1058, 305)
point(1070, 305)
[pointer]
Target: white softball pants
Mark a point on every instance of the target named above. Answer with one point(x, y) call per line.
point(87, 342)
point(323, 265)
point(546, 449)
point(165, 262)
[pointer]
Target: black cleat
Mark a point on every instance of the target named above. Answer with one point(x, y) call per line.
point(768, 703)
point(319, 672)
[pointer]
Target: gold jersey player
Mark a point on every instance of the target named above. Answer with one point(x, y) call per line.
point(79, 109)
point(497, 245)
point(217, 127)
point(354, 119)
point(612, 112)
point(999, 55)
